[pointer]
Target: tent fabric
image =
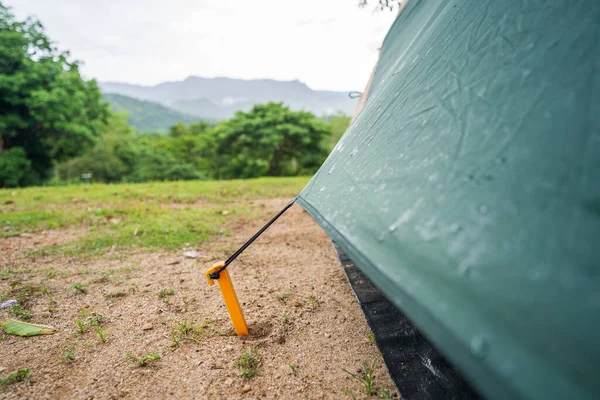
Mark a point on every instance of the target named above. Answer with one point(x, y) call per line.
point(468, 189)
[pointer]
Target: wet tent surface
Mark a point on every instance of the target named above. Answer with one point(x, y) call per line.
point(467, 189)
point(419, 371)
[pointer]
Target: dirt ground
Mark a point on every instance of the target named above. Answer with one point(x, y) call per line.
point(305, 323)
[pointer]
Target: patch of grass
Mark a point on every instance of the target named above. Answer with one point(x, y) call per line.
point(166, 292)
point(24, 292)
point(116, 295)
point(367, 380)
point(96, 320)
point(371, 338)
point(286, 319)
point(14, 377)
point(192, 331)
point(145, 360)
point(249, 363)
point(19, 313)
point(294, 368)
point(148, 215)
point(83, 324)
point(79, 288)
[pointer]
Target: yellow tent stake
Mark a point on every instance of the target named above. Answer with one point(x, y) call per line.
point(231, 300)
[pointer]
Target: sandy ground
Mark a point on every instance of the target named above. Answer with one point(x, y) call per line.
point(298, 305)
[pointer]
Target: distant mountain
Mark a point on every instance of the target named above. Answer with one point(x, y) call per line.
point(148, 116)
point(219, 98)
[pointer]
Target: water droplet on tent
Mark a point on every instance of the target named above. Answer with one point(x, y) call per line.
point(483, 209)
point(500, 160)
point(381, 236)
point(354, 152)
point(401, 220)
point(464, 269)
point(331, 170)
point(322, 188)
point(432, 177)
point(479, 346)
point(454, 228)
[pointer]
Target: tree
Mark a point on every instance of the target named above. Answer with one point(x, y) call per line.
point(269, 140)
point(48, 113)
point(113, 157)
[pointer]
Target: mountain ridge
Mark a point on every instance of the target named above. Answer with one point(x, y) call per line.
point(230, 94)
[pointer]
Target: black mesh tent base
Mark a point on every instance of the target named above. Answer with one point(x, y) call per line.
point(415, 366)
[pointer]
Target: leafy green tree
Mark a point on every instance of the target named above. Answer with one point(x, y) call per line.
point(157, 161)
point(113, 157)
point(269, 140)
point(48, 113)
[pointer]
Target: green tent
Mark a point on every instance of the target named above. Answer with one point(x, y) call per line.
point(468, 189)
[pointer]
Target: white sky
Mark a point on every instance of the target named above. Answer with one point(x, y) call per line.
point(327, 44)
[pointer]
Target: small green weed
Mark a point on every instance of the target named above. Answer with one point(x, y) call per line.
point(101, 334)
point(116, 295)
point(294, 368)
point(385, 393)
point(81, 326)
point(286, 319)
point(69, 352)
point(249, 363)
point(145, 360)
point(282, 297)
point(367, 378)
point(371, 338)
point(96, 320)
point(314, 303)
point(14, 377)
point(79, 288)
point(18, 312)
point(166, 292)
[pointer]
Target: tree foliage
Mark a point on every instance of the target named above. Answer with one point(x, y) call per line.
point(270, 140)
point(48, 113)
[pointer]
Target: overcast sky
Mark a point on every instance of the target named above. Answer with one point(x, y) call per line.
point(327, 44)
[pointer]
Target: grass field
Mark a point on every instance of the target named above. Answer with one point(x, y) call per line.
point(151, 215)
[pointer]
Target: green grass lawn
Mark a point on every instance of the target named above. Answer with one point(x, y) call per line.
point(161, 214)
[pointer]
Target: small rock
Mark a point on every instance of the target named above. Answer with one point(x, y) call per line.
point(246, 389)
point(147, 327)
point(6, 228)
point(328, 335)
point(26, 235)
point(2, 368)
point(191, 254)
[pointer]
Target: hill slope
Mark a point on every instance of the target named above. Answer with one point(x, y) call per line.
point(147, 116)
point(219, 98)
